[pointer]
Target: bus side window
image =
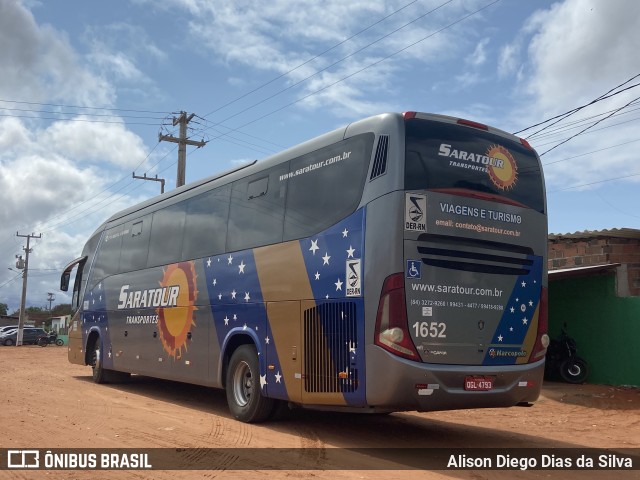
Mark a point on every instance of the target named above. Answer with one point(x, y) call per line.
point(108, 256)
point(135, 244)
point(205, 231)
point(326, 185)
point(256, 214)
point(167, 228)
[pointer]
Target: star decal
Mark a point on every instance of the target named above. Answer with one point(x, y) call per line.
point(230, 260)
point(208, 262)
point(263, 381)
point(345, 232)
point(226, 320)
point(246, 296)
point(278, 377)
point(314, 246)
point(317, 275)
point(350, 252)
point(241, 267)
point(325, 259)
point(233, 293)
point(338, 285)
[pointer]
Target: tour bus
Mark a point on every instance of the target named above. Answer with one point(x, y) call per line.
point(397, 263)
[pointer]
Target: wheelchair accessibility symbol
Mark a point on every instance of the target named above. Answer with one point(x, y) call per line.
point(414, 269)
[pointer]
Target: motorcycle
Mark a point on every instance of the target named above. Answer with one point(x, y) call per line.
point(50, 339)
point(562, 360)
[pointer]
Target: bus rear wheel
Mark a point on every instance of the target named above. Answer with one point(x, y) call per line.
point(244, 392)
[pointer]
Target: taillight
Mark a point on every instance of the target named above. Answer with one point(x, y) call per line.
point(469, 123)
point(542, 339)
point(526, 144)
point(409, 115)
point(392, 331)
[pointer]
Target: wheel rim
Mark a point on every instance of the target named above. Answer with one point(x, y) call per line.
point(96, 357)
point(574, 370)
point(242, 384)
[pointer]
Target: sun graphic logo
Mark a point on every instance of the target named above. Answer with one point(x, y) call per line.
point(174, 323)
point(504, 172)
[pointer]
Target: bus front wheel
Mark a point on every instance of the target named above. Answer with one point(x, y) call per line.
point(244, 391)
point(99, 374)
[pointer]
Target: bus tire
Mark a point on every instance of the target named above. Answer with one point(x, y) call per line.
point(243, 389)
point(99, 374)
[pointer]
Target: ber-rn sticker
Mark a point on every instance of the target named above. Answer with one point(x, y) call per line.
point(354, 277)
point(415, 212)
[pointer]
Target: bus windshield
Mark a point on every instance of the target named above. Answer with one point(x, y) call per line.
point(444, 156)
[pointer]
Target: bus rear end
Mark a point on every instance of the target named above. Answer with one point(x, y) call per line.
point(464, 324)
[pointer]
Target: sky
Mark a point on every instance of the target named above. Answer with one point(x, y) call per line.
point(87, 87)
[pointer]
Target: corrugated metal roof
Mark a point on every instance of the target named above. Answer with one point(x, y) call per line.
point(614, 232)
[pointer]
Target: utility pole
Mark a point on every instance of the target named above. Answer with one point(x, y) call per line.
point(182, 142)
point(25, 273)
point(50, 299)
point(156, 179)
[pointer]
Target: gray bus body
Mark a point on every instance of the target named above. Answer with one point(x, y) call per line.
point(398, 263)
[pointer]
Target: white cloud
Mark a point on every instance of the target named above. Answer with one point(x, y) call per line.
point(95, 142)
point(39, 64)
point(479, 55)
point(580, 48)
point(563, 57)
point(508, 60)
point(277, 37)
point(52, 175)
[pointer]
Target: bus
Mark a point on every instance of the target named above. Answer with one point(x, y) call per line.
point(395, 264)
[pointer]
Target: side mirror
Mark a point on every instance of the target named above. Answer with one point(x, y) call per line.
point(64, 281)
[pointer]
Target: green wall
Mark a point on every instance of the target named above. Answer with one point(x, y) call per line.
point(606, 327)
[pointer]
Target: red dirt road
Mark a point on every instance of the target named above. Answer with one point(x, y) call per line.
point(45, 402)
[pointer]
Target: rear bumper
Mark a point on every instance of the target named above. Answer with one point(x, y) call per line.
point(391, 383)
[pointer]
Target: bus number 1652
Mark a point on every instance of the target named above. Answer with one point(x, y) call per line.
point(430, 329)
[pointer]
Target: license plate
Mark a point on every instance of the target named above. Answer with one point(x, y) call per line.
point(478, 383)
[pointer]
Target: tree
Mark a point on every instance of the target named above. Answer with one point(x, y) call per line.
point(61, 310)
point(3, 308)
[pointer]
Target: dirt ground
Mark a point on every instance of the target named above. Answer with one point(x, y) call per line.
point(45, 402)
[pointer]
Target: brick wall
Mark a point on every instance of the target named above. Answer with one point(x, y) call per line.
point(573, 252)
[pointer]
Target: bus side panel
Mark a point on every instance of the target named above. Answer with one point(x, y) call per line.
point(76, 343)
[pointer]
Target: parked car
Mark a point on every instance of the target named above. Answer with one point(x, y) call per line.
point(6, 328)
point(29, 336)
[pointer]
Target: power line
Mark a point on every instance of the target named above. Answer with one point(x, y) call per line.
point(589, 153)
point(596, 183)
point(599, 99)
point(589, 127)
point(577, 123)
point(593, 131)
point(363, 69)
point(311, 59)
point(81, 107)
point(335, 63)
